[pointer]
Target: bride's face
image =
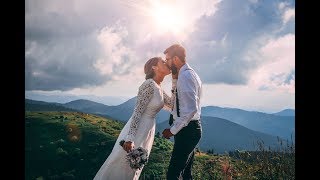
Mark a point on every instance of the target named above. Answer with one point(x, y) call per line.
point(162, 68)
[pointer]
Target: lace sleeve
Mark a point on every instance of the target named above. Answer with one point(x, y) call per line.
point(145, 94)
point(168, 101)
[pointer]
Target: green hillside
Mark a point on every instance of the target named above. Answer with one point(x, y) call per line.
point(67, 145)
point(73, 145)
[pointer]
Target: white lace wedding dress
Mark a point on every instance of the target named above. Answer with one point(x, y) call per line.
point(139, 129)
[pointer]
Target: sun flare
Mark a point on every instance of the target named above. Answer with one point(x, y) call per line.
point(168, 18)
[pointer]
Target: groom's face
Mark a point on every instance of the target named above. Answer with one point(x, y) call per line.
point(169, 60)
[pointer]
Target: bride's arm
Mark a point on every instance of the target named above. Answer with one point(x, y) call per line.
point(169, 101)
point(145, 94)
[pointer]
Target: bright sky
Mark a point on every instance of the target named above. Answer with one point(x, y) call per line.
point(244, 50)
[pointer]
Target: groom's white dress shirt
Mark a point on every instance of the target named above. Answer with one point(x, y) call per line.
point(189, 87)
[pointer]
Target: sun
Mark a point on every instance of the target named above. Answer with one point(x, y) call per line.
point(167, 18)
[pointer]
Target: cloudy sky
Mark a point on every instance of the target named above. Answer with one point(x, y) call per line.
point(243, 50)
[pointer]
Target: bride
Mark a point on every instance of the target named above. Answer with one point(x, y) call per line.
point(140, 129)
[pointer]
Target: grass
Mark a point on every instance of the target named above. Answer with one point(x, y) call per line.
point(73, 145)
point(67, 145)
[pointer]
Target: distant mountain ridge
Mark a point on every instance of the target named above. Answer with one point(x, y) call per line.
point(120, 112)
point(286, 112)
point(32, 105)
point(218, 134)
point(276, 125)
point(222, 136)
point(87, 106)
point(65, 98)
point(282, 126)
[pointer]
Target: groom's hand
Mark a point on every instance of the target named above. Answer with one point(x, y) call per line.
point(167, 133)
point(128, 146)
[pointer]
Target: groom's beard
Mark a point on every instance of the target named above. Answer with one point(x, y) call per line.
point(174, 69)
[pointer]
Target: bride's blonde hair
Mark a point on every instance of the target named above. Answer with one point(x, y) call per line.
point(148, 67)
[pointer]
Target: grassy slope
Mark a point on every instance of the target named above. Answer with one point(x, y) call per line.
point(67, 145)
point(73, 145)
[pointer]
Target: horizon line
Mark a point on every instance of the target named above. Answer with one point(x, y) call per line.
point(226, 107)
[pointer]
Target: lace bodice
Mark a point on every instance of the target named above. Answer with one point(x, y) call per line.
point(150, 100)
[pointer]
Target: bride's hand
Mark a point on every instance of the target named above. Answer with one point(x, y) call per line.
point(128, 146)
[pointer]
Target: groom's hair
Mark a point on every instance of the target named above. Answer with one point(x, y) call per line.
point(176, 50)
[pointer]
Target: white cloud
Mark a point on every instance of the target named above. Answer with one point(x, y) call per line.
point(287, 12)
point(194, 9)
point(282, 5)
point(83, 38)
point(288, 15)
point(31, 48)
point(148, 34)
point(277, 69)
point(117, 59)
point(198, 8)
point(110, 40)
point(254, 1)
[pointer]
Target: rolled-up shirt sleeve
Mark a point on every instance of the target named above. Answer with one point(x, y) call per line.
point(187, 94)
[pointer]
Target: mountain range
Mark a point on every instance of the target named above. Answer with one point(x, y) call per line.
point(219, 134)
point(32, 105)
point(286, 112)
point(280, 124)
point(277, 125)
point(64, 98)
point(121, 112)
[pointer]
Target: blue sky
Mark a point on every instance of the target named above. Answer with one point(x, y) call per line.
point(243, 50)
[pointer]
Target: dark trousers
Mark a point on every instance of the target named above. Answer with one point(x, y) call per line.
point(182, 156)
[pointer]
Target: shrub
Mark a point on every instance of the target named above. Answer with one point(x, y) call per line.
point(61, 152)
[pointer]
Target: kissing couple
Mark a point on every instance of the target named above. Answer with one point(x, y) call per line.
point(183, 103)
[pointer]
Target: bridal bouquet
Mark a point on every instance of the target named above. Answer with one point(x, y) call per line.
point(137, 158)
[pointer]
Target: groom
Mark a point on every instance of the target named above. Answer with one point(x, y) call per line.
point(186, 127)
